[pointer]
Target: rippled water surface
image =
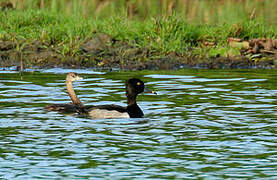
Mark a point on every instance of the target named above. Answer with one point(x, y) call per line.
point(203, 124)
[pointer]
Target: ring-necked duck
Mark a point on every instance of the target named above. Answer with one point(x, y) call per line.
point(133, 88)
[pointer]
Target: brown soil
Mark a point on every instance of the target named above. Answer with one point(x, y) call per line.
point(103, 51)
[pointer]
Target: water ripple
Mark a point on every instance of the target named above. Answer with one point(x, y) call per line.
point(206, 125)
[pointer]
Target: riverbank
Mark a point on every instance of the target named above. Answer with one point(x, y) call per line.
point(43, 39)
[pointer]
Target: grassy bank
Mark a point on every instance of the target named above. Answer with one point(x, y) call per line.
point(163, 35)
point(160, 35)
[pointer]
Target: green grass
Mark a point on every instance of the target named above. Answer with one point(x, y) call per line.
point(160, 34)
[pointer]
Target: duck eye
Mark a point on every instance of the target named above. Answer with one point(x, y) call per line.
point(138, 83)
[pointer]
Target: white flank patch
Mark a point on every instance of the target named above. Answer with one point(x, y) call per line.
point(106, 114)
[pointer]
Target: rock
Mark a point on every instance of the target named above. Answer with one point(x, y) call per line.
point(98, 43)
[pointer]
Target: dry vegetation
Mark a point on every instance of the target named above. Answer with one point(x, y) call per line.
point(201, 11)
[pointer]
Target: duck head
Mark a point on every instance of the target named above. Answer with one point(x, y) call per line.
point(136, 86)
point(73, 77)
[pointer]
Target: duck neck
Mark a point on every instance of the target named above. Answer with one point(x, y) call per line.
point(133, 109)
point(75, 100)
point(131, 99)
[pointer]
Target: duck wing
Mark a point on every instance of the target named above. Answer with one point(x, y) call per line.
point(103, 111)
point(111, 107)
point(64, 108)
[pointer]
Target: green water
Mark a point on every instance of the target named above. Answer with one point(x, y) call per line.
point(203, 125)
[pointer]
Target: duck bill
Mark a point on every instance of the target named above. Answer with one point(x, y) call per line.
point(146, 90)
point(79, 78)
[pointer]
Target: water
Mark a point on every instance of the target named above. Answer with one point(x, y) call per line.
point(202, 125)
